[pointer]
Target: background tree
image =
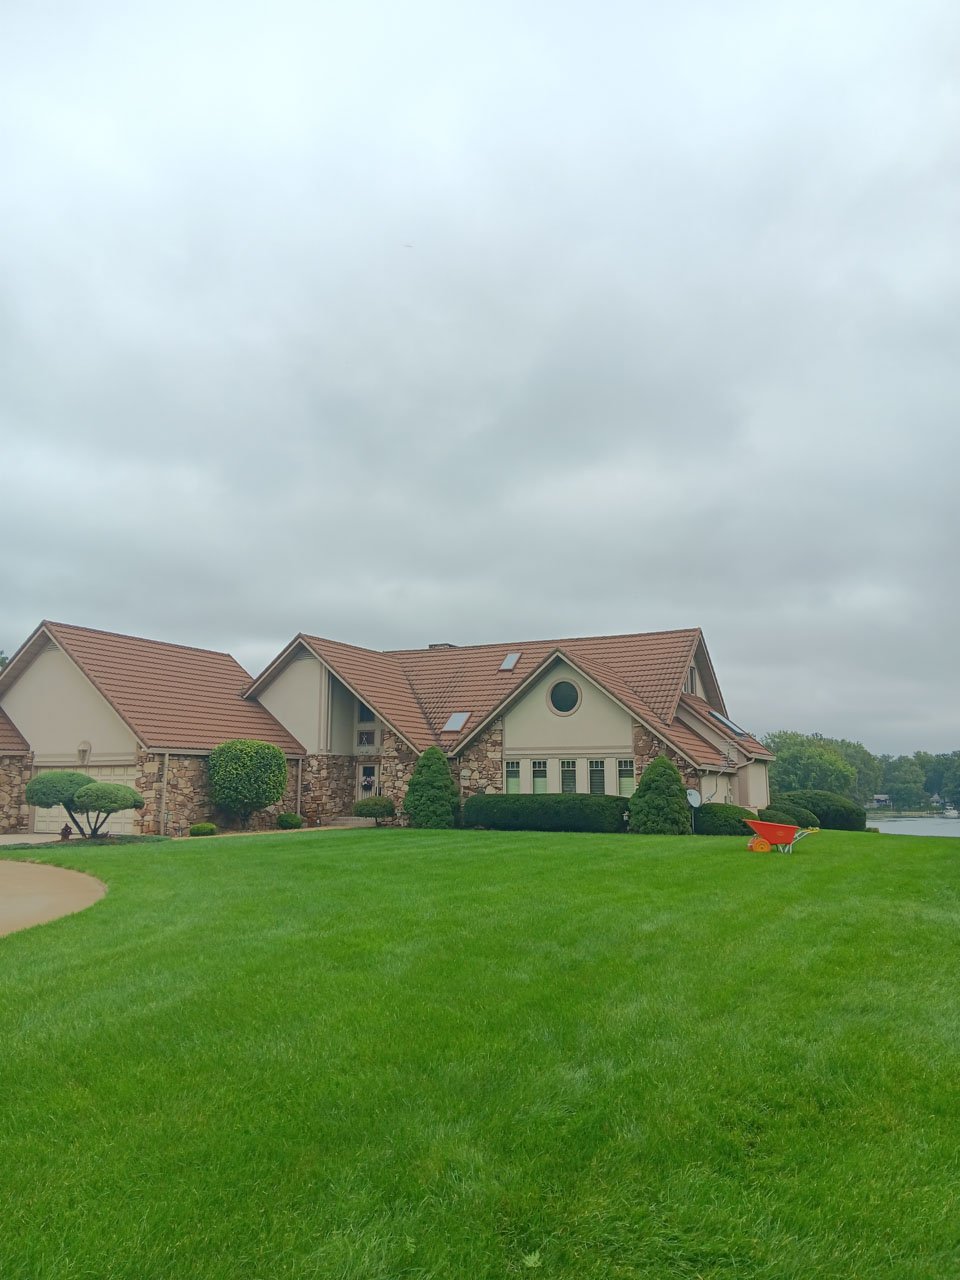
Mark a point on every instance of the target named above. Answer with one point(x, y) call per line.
point(246, 776)
point(807, 767)
point(659, 803)
point(3, 659)
point(903, 783)
point(950, 782)
point(58, 787)
point(97, 801)
point(432, 797)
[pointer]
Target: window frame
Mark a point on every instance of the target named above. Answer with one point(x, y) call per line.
point(574, 685)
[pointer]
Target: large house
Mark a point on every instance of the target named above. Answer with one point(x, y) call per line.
point(581, 715)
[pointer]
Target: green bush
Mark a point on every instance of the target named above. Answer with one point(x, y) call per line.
point(98, 800)
point(246, 776)
point(546, 813)
point(289, 821)
point(433, 798)
point(832, 811)
point(659, 805)
point(722, 820)
point(777, 815)
point(798, 814)
point(203, 829)
point(47, 790)
point(374, 807)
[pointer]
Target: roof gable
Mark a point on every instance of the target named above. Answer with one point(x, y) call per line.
point(12, 741)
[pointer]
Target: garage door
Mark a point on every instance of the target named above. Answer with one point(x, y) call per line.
point(50, 821)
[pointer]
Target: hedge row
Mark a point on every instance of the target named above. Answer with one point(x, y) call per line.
point(546, 813)
point(797, 813)
point(833, 812)
point(722, 820)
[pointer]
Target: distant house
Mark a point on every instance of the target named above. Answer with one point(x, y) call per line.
point(580, 715)
point(881, 802)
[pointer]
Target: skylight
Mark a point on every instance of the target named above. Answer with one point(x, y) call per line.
point(510, 661)
point(734, 728)
point(456, 722)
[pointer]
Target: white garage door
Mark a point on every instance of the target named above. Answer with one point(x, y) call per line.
point(50, 821)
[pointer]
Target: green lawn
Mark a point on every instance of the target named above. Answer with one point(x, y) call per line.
point(378, 1054)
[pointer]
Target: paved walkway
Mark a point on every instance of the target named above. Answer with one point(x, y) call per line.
point(22, 837)
point(32, 894)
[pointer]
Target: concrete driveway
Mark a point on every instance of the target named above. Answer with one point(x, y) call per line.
point(31, 894)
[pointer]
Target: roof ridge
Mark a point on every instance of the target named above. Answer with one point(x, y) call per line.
point(123, 635)
point(512, 644)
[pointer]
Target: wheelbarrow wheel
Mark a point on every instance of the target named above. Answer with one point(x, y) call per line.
point(759, 845)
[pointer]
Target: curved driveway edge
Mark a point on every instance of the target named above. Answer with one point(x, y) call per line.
point(31, 893)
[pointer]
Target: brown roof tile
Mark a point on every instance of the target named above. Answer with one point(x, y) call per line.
point(172, 696)
point(745, 741)
point(12, 742)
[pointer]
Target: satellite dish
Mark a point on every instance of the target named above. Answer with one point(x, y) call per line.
point(694, 799)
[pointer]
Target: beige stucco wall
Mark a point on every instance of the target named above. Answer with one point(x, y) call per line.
point(597, 728)
point(343, 717)
point(296, 698)
point(754, 785)
point(56, 708)
point(717, 788)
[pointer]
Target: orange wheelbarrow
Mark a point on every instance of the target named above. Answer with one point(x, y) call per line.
point(779, 834)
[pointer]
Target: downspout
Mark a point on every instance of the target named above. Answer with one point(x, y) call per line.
point(163, 794)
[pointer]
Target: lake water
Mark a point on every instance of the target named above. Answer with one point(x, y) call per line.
point(915, 826)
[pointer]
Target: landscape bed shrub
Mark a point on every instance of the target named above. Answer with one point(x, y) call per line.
point(722, 820)
point(546, 812)
point(777, 815)
point(377, 807)
point(659, 805)
point(433, 798)
point(246, 776)
point(800, 815)
point(289, 821)
point(203, 829)
point(832, 811)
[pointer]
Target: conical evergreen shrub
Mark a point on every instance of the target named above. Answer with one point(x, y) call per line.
point(432, 798)
point(659, 806)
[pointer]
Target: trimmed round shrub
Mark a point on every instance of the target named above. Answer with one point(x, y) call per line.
point(776, 815)
point(659, 805)
point(377, 807)
point(98, 800)
point(60, 786)
point(289, 821)
point(433, 798)
point(546, 812)
point(203, 829)
point(246, 776)
point(722, 820)
point(833, 812)
point(798, 814)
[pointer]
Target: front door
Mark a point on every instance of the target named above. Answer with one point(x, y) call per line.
point(368, 780)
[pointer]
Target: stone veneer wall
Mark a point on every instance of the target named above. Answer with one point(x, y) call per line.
point(396, 766)
point(188, 799)
point(329, 788)
point(15, 773)
point(481, 763)
point(647, 746)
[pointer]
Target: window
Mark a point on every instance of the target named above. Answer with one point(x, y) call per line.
point(690, 684)
point(456, 722)
point(513, 777)
point(364, 714)
point(598, 781)
point(366, 737)
point(568, 776)
point(564, 697)
point(539, 777)
point(510, 661)
point(625, 778)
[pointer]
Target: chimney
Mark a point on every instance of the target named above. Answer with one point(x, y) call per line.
point(443, 645)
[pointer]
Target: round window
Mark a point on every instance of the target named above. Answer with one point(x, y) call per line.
point(564, 697)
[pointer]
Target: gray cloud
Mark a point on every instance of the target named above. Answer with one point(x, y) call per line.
point(401, 323)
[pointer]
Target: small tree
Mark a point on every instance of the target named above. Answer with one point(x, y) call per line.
point(376, 807)
point(58, 787)
point(659, 804)
point(246, 776)
point(98, 800)
point(432, 795)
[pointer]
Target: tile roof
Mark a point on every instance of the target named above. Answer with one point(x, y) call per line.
point(171, 696)
point(12, 742)
point(746, 742)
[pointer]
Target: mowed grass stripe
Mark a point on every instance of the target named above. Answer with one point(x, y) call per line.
point(416, 1054)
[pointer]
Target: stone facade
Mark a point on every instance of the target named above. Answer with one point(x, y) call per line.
point(647, 746)
point(481, 764)
point(329, 788)
point(396, 766)
point(187, 797)
point(15, 773)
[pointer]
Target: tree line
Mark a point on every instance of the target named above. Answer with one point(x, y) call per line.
point(809, 760)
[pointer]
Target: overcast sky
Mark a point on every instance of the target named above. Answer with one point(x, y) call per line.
point(399, 323)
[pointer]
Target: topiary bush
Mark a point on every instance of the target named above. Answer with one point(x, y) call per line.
point(546, 812)
point(433, 798)
point(203, 829)
point(246, 776)
point(289, 821)
point(798, 814)
point(98, 800)
point(722, 820)
point(777, 815)
point(659, 805)
point(833, 812)
point(47, 790)
point(378, 807)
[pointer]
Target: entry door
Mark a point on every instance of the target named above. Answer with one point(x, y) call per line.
point(368, 780)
